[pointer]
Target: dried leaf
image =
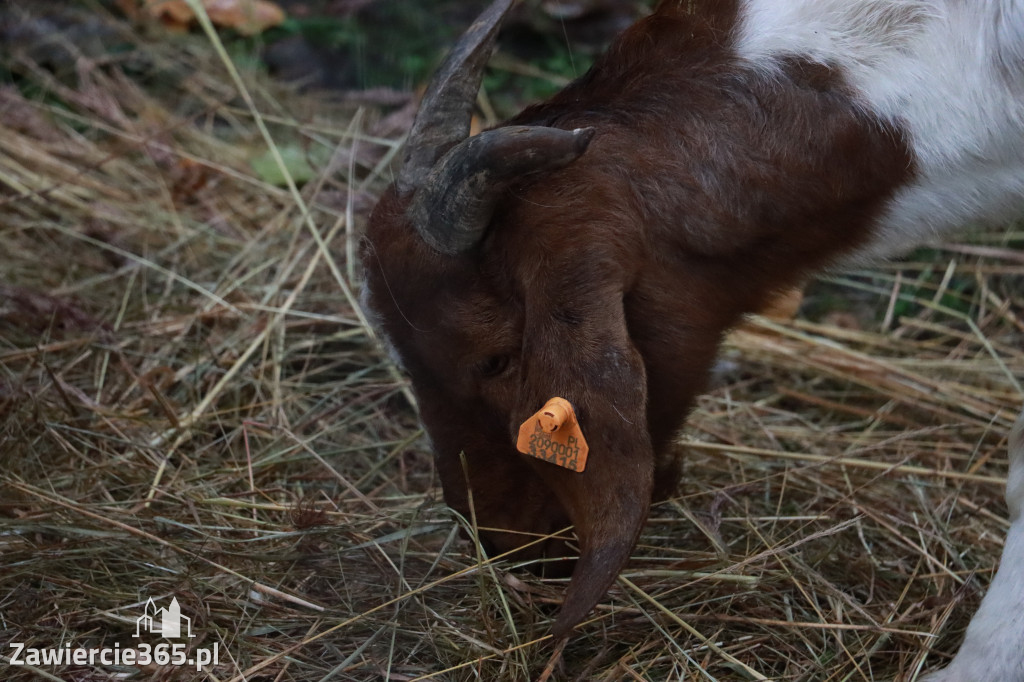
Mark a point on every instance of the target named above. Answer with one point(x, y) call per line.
point(248, 17)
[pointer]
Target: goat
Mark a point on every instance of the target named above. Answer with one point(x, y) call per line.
point(598, 245)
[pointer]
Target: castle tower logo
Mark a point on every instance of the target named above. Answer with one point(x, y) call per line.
point(164, 622)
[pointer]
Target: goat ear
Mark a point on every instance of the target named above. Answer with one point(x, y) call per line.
point(578, 348)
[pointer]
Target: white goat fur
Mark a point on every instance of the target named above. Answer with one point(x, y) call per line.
point(993, 649)
point(951, 74)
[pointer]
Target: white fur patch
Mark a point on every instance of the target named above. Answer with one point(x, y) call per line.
point(949, 72)
point(992, 648)
point(374, 318)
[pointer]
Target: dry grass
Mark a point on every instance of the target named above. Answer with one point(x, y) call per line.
point(191, 406)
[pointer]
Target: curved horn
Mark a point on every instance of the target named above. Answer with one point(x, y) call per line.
point(453, 207)
point(446, 110)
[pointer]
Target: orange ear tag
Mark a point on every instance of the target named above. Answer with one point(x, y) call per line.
point(554, 435)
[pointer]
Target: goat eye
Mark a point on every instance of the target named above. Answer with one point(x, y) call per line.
point(493, 366)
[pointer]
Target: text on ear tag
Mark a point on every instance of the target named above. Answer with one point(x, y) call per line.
point(554, 435)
